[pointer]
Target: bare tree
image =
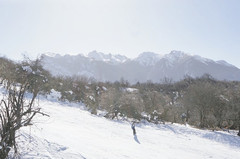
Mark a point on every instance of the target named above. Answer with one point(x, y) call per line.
point(201, 98)
point(110, 101)
point(235, 107)
point(17, 107)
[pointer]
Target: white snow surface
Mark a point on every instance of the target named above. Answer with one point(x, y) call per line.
point(27, 68)
point(131, 89)
point(54, 95)
point(72, 132)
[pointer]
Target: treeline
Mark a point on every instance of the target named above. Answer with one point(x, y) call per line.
point(203, 102)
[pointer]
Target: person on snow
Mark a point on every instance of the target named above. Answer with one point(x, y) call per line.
point(133, 128)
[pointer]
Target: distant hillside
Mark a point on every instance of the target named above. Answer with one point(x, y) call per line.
point(147, 66)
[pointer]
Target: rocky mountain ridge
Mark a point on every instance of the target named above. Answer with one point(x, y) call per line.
point(147, 66)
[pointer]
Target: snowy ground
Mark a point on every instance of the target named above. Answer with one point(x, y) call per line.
point(74, 133)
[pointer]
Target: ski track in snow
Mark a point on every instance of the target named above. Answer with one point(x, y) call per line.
point(72, 132)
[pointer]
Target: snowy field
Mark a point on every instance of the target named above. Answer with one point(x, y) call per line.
point(71, 132)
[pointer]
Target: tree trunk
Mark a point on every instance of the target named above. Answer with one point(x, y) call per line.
point(187, 116)
point(239, 130)
point(239, 123)
point(202, 118)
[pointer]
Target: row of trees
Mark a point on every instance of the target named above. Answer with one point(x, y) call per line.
point(213, 104)
point(203, 102)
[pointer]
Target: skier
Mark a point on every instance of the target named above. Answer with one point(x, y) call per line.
point(133, 128)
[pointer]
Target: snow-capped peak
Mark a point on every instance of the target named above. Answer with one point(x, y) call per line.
point(96, 56)
point(177, 53)
point(51, 54)
point(148, 58)
point(174, 56)
point(114, 59)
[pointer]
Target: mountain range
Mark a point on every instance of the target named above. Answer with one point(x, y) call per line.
point(147, 66)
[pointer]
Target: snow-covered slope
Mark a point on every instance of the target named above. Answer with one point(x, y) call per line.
point(71, 132)
point(147, 66)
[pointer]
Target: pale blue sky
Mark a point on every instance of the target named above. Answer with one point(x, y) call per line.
point(209, 28)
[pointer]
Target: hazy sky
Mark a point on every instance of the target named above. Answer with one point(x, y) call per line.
point(209, 28)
